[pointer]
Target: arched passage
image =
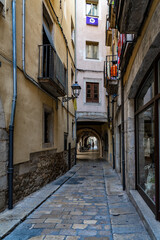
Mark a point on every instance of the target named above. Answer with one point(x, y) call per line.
point(3, 157)
point(85, 139)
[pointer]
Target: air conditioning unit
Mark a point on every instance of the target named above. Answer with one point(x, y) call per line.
point(2, 5)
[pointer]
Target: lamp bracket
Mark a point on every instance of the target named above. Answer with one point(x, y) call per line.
point(66, 99)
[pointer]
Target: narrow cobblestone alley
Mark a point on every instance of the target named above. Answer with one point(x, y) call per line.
point(88, 206)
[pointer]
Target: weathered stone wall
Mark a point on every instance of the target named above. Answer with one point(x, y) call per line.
point(42, 168)
point(147, 51)
point(129, 130)
point(72, 157)
point(3, 159)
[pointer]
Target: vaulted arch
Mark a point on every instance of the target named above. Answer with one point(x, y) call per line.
point(84, 132)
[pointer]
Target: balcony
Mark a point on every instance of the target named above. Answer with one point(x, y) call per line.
point(130, 14)
point(125, 47)
point(112, 15)
point(108, 34)
point(51, 71)
point(111, 74)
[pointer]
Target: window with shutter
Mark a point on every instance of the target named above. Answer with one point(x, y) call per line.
point(92, 92)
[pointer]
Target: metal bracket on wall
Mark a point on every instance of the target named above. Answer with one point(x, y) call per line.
point(66, 99)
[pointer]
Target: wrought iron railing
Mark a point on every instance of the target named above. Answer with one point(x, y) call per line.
point(111, 74)
point(50, 66)
point(125, 44)
point(112, 71)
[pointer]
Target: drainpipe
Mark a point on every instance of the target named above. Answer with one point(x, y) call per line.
point(11, 126)
point(67, 96)
point(75, 61)
point(113, 132)
point(23, 36)
point(108, 110)
point(122, 130)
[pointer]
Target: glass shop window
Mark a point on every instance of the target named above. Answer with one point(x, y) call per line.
point(147, 91)
point(148, 139)
point(146, 165)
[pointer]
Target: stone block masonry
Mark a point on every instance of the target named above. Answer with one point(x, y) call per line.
point(42, 168)
point(3, 159)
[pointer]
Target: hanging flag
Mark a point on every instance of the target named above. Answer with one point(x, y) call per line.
point(75, 104)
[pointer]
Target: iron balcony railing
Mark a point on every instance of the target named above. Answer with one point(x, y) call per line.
point(111, 74)
point(50, 66)
point(125, 46)
point(112, 71)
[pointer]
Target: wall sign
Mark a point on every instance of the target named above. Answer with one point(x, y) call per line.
point(92, 21)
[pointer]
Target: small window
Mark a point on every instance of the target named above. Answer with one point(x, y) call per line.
point(92, 92)
point(91, 9)
point(72, 32)
point(65, 141)
point(92, 50)
point(47, 127)
point(73, 129)
point(72, 76)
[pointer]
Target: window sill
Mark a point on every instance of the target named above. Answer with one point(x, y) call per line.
point(92, 16)
point(47, 145)
point(92, 103)
point(92, 58)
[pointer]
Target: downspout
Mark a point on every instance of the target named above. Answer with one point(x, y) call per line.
point(108, 110)
point(11, 126)
point(75, 61)
point(113, 133)
point(67, 96)
point(23, 35)
point(122, 130)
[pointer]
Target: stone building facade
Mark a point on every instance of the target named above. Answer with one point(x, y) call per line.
point(136, 105)
point(37, 45)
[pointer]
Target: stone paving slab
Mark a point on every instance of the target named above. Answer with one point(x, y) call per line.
point(9, 219)
point(90, 205)
point(133, 236)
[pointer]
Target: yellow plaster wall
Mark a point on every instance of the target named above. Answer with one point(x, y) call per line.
point(28, 131)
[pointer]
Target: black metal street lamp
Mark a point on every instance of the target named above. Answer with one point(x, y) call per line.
point(76, 88)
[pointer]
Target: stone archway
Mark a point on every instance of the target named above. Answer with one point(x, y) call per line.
point(83, 132)
point(3, 158)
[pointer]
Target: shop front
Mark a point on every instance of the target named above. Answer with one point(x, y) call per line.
point(147, 120)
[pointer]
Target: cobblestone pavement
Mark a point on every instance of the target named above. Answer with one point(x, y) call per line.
point(89, 206)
